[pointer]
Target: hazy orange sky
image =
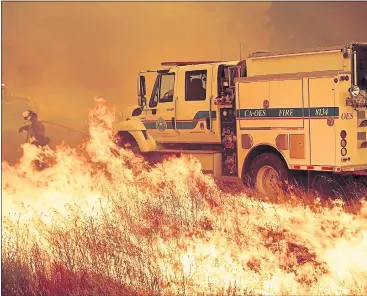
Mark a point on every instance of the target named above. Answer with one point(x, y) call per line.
point(62, 54)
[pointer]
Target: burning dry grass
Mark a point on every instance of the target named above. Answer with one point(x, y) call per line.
point(101, 224)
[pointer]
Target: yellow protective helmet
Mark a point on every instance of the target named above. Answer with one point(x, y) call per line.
point(27, 115)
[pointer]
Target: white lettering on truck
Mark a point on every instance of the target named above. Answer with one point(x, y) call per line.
point(255, 113)
point(286, 112)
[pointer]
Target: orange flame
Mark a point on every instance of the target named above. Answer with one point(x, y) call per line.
point(167, 229)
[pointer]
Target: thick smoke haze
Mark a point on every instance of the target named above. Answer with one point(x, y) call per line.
point(62, 54)
point(314, 24)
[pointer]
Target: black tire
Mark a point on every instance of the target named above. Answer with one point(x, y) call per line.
point(126, 141)
point(268, 184)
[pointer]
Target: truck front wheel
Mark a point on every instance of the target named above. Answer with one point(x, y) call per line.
point(126, 140)
point(268, 174)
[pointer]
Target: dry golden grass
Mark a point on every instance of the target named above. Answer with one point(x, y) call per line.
point(120, 251)
point(104, 224)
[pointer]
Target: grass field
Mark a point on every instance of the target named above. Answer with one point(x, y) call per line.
point(95, 223)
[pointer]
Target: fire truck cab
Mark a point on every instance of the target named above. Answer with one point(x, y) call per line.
point(261, 118)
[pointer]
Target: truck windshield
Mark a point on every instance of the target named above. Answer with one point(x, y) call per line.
point(361, 52)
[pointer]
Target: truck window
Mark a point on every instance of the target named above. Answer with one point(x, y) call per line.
point(167, 88)
point(195, 85)
point(163, 89)
point(362, 67)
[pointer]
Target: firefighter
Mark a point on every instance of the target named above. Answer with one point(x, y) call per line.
point(36, 136)
point(36, 130)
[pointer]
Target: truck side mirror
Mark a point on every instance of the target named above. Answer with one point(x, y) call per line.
point(141, 92)
point(142, 89)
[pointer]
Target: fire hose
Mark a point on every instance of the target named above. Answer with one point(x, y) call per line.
point(60, 125)
point(66, 127)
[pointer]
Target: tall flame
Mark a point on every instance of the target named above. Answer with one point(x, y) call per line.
point(94, 222)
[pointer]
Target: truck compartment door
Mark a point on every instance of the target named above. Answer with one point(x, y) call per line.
point(322, 113)
point(271, 104)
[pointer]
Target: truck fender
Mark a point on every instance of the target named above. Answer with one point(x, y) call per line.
point(259, 149)
point(138, 131)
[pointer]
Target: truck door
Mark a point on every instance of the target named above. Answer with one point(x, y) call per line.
point(161, 108)
point(195, 101)
point(322, 112)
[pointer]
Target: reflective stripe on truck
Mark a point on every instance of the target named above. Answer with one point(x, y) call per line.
point(328, 168)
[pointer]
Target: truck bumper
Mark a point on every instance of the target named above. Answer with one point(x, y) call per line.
point(350, 170)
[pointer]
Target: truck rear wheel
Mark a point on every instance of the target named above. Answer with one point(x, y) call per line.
point(268, 174)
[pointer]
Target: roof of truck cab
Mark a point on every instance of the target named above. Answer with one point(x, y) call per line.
point(192, 64)
point(304, 50)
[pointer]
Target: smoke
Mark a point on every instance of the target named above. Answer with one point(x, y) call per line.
point(63, 54)
point(316, 24)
